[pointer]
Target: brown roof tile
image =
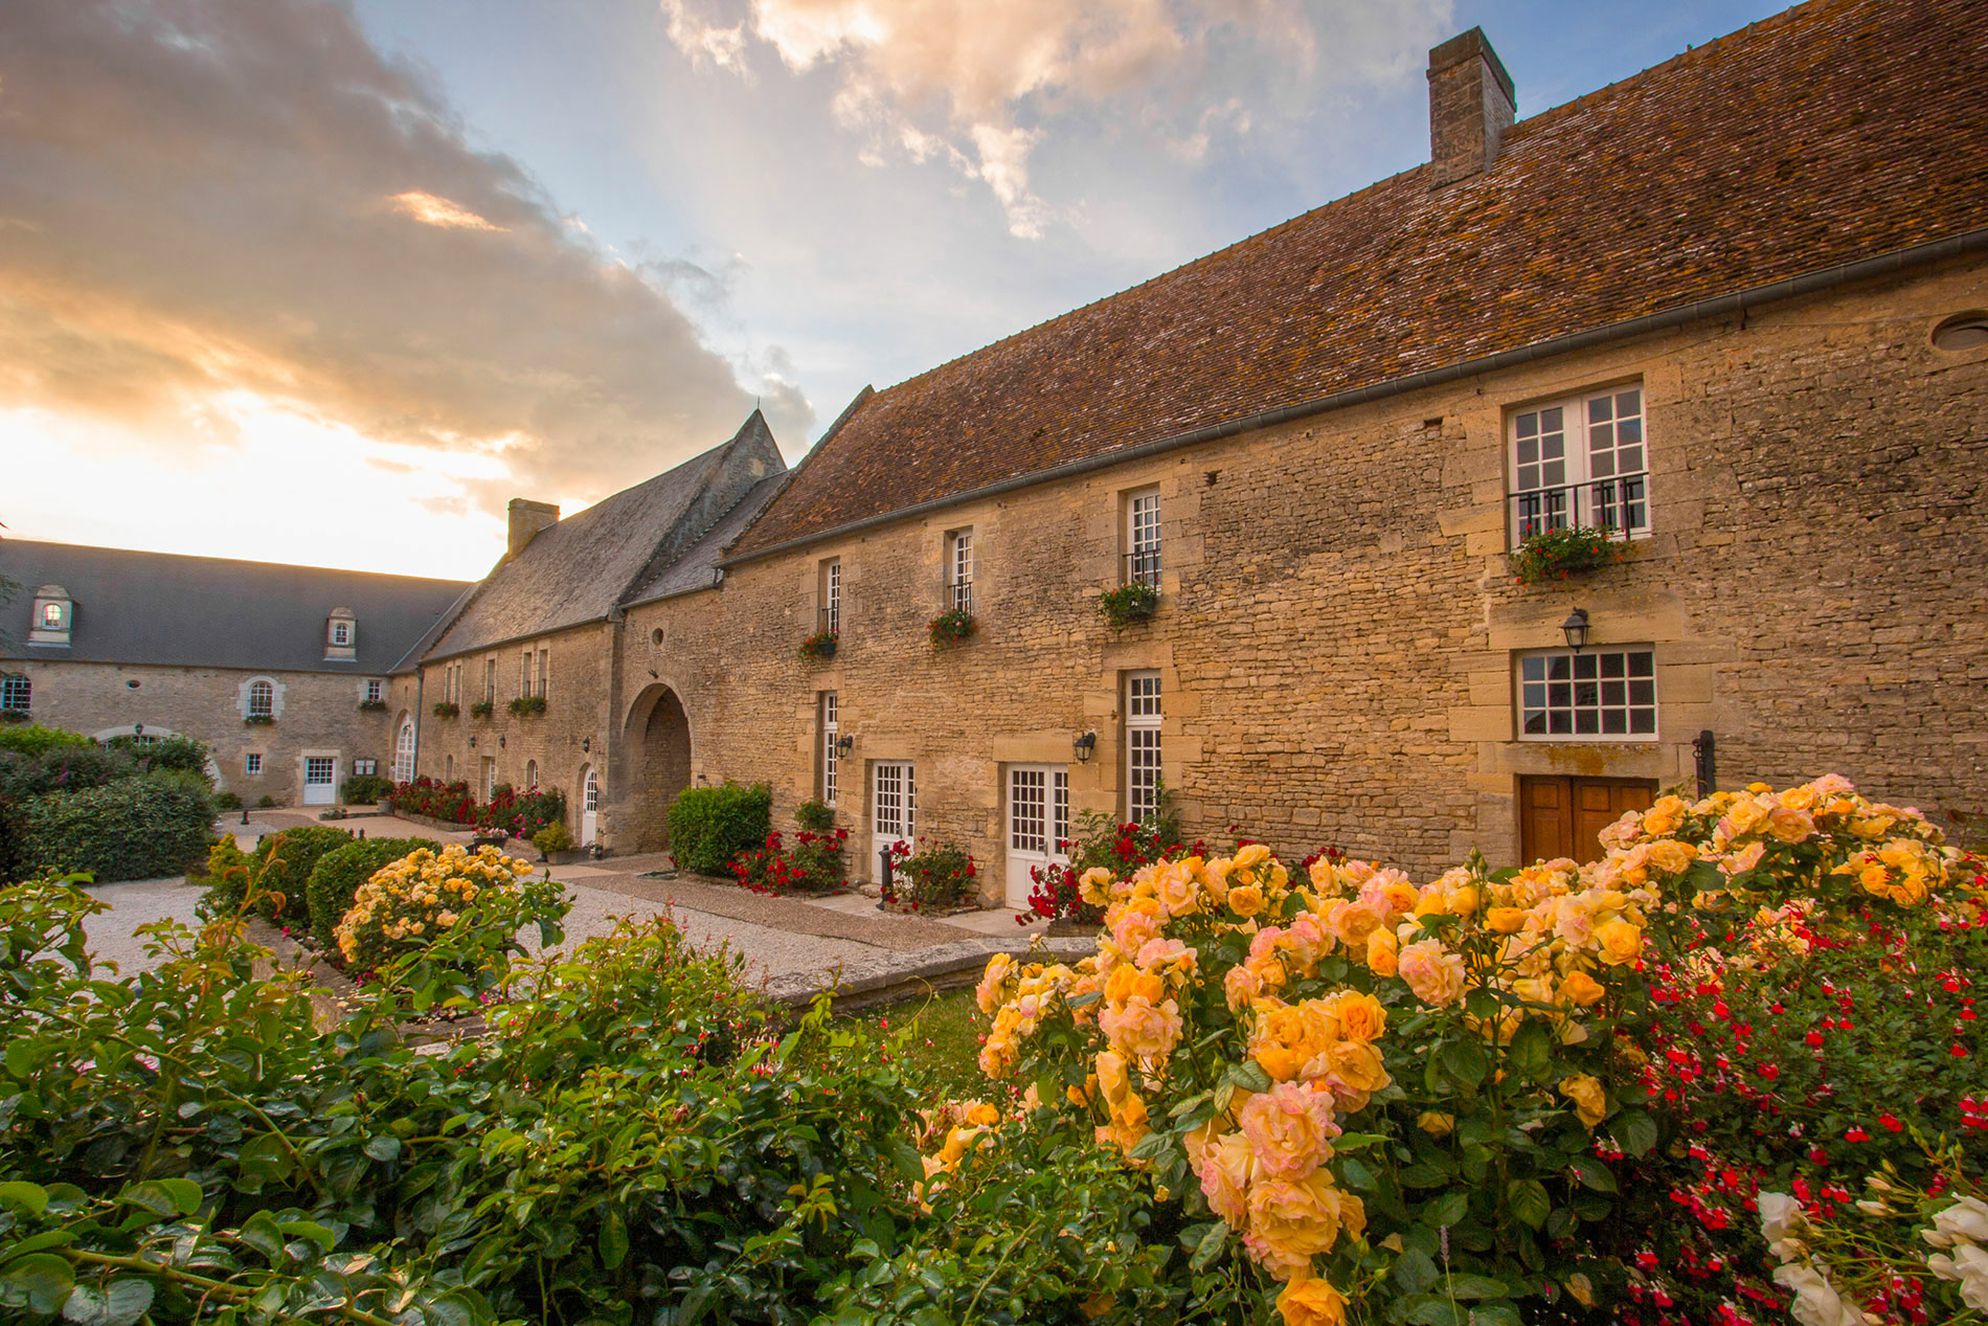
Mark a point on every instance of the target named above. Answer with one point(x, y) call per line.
point(1835, 131)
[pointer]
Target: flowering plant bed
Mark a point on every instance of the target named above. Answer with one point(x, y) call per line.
point(813, 865)
point(936, 879)
point(372, 706)
point(519, 814)
point(482, 709)
point(408, 903)
point(1557, 554)
point(1103, 849)
point(820, 645)
point(447, 709)
point(259, 720)
point(950, 628)
point(1128, 604)
point(528, 705)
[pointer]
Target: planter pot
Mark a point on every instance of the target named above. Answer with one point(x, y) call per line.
point(571, 858)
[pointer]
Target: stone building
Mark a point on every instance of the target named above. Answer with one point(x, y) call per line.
point(524, 686)
point(283, 671)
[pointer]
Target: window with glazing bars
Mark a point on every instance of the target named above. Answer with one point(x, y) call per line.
point(1142, 539)
point(1582, 461)
point(1595, 695)
point(1142, 745)
point(959, 571)
point(829, 754)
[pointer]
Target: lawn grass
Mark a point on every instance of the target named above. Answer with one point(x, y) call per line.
point(938, 1034)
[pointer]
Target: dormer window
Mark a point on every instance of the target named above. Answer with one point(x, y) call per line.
point(341, 636)
point(54, 616)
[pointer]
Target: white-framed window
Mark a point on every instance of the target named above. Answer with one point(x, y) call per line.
point(16, 693)
point(830, 618)
point(590, 795)
point(544, 665)
point(1142, 538)
point(531, 775)
point(252, 763)
point(341, 633)
point(51, 616)
point(1142, 745)
point(489, 777)
point(1595, 695)
point(262, 698)
point(1581, 461)
point(830, 756)
point(1038, 810)
point(403, 752)
point(894, 800)
point(375, 690)
point(366, 768)
point(959, 571)
point(320, 770)
point(524, 674)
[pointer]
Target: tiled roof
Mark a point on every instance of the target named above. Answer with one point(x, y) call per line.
point(577, 570)
point(1836, 131)
point(168, 610)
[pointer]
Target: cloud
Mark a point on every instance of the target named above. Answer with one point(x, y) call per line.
point(244, 196)
point(979, 86)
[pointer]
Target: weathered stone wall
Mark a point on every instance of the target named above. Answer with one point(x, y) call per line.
point(1337, 637)
point(316, 714)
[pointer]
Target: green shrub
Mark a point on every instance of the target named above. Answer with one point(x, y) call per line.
point(265, 801)
point(815, 815)
point(182, 753)
point(366, 788)
point(938, 875)
point(554, 837)
point(134, 828)
point(339, 873)
point(227, 801)
point(289, 858)
point(62, 769)
point(34, 739)
point(711, 825)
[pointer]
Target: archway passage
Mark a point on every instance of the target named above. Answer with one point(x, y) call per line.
point(657, 744)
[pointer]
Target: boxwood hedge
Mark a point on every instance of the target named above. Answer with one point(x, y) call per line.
point(711, 825)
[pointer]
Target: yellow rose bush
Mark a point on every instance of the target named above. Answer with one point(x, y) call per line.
point(461, 909)
point(1354, 1097)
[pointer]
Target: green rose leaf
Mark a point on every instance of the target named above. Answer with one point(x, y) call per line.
point(1249, 1076)
point(1447, 1210)
point(383, 1148)
point(42, 1279)
point(1593, 1175)
point(1635, 1131)
point(124, 1302)
point(29, 1198)
point(614, 1241)
point(165, 1197)
point(1464, 1062)
point(1528, 1201)
point(1475, 1286)
point(1415, 1271)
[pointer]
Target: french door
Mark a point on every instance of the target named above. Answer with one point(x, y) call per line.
point(1038, 824)
point(320, 779)
point(893, 806)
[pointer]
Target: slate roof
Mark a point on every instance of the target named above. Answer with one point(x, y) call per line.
point(164, 609)
point(579, 569)
point(698, 568)
point(1839, 130)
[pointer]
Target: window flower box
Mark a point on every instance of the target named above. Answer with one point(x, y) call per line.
point(482, 709)
point(447, 709)
point(1129, 603)
point(950, 628)
point(372, 706)
point(260, 720)
point(1556, 554)
point(819, 646)
point(528, 705)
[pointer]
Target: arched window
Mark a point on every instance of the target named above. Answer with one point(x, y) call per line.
point(593, 795)
point(531, 775)
point(51, 616)
point(262, 699)
point(403, 752)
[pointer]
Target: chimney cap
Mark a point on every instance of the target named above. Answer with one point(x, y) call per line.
point(527, 504)
point(1462, 47)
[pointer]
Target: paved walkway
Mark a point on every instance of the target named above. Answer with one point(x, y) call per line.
point(788, 943)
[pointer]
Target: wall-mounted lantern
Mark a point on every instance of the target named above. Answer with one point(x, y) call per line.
point(586, 744)
point(472, 741)
point(1576, 629)
point(845, 744)
point(1084, 747)
point(500, 741)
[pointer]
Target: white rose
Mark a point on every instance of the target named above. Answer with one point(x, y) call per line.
point(1780, 1216)
point(1969, 1265)
point(1966, 1220)
point(1816, 1300)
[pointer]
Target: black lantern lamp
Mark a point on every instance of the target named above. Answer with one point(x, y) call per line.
point(586, 744)
point(137, 729)
point(1084, 747)
point(1575, 628)
point(845, 744)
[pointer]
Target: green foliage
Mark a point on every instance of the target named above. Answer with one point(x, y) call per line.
point(528, 705)
point(815, 815)
point(554, 837)
point(711, 825)
point(62, 769)
point(933, 1038)
point(950, 628)
point(372, 706)
point(260, 720)
point(447, 709)
point(936, 876)
point(34, 739)
point(265, 801)
point(133, 828)
point(288, 858)
point(227, 801)
point(184, 754)
point(339, 873)
point(820, 645)
point(633, 1132)
point(1556, 554)
point(1127, 604)
point(482, 709)
point(362, 788)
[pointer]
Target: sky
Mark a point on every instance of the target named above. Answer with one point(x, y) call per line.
point(329, 283)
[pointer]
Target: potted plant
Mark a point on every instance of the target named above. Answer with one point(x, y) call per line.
point(1128, 603)
point(372, 706)
point(1556, 554)
point(447, 709)
point(820, 645)
point(482, 709)
point(528, 705)
point(260, 720)
point(937, 879)
point(950, 628)
point(555, 844)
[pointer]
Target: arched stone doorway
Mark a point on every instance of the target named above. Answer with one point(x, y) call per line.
point(656, 752)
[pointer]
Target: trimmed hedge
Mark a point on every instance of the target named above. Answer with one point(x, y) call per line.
point(293, 854)
point(34, 739)
point(135, 828)
point(366, 787)
point(339, 873)
point(711, 825)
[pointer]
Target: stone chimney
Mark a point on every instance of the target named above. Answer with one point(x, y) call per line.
point(1470, 107)
point(527, 519)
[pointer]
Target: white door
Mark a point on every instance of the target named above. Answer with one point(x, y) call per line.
point(320, 779)
point(893, 808)
point(1038, 824)
point(590, 806)
point(403, 752)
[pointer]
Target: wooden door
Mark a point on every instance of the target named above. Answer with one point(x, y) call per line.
point(1564, 816)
